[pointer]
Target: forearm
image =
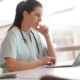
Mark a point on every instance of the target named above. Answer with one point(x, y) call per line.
point(17, 66)
point(51, 51)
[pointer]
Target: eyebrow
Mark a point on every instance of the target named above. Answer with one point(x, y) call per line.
point(39, 14)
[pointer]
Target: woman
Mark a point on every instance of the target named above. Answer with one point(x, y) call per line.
point(22, 47)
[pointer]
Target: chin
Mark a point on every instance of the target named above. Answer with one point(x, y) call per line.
point(35, 26)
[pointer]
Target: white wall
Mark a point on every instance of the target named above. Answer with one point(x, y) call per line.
point(7, 9)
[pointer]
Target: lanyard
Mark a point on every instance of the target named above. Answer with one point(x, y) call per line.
point(25, 41)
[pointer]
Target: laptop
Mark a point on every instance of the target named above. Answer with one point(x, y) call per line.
point(74, 64)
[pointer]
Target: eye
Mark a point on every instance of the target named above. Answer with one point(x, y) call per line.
point(37, 15)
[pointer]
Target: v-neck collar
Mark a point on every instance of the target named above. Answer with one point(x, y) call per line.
point(27, 36)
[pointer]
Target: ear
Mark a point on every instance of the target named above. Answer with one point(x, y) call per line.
point(25, 14)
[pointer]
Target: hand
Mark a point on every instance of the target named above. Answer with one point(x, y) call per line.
point(43, 30)
point(47, 59)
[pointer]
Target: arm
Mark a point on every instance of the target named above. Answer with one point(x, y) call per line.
point(13, 65)
point(51, 51)
point(9, 51)
point(45, 32)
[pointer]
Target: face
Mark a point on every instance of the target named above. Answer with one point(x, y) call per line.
point(34, 17)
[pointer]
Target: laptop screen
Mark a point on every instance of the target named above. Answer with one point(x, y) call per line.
point(77, 61)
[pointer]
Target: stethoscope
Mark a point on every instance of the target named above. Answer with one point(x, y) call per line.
point(25, 41)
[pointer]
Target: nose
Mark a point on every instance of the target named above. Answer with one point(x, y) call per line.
point(40, 19)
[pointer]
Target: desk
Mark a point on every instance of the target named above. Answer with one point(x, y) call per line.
point(35, 74)
point(1, 71)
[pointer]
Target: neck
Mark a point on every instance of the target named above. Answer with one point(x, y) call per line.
point(25, 27)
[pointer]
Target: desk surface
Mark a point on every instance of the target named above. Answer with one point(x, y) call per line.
point(35, 74)
point(0, 71)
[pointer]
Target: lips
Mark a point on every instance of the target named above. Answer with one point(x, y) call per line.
point(37, 23)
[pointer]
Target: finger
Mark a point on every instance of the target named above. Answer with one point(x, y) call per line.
point(50, 60)
point(48, 63)
point(39, 28)
point(53, 60)
point(45, 28)
point(42, 28)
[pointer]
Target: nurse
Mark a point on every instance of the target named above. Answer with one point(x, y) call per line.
point(23, 48)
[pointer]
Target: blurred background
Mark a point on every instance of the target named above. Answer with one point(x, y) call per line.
point(61, 16)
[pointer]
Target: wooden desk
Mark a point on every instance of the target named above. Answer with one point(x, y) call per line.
point(37, 73)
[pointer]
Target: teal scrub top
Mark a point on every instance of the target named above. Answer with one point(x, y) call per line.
point(13, 46)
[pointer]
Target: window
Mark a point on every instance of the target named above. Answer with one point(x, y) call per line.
point(62, 17)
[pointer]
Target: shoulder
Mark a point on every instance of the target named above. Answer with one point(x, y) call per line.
point(14, 32)
point(11, 35)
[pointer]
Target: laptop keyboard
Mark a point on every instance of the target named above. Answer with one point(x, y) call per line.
point(58, 66)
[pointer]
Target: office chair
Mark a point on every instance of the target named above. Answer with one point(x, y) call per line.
point(47, 77)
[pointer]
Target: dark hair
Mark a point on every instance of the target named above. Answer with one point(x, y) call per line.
point(28, 6)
